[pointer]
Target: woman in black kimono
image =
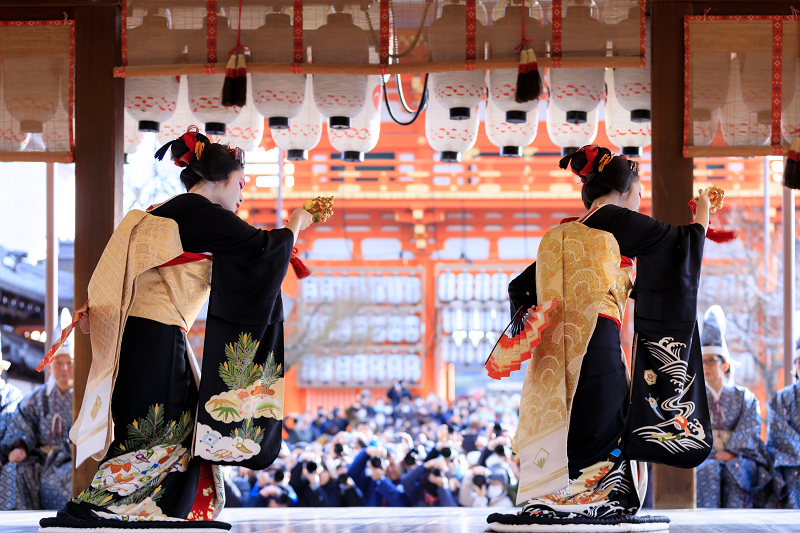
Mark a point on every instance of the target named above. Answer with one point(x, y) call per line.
point(170, 428)
point(574, 412)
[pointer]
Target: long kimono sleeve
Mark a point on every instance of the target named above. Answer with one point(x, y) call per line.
point(522, 290)
point(10, 397)
point(746, 438)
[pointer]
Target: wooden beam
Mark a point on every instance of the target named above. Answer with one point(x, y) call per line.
point(673, 488)
point(98, 167)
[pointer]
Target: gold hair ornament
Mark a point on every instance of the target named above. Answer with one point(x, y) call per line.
point(606, 159)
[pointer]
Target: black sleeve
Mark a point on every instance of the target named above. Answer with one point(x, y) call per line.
point(637, 234)
point(522, 290)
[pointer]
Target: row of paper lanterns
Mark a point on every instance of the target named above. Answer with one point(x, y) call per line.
point(360, 368)
point(375, 328)
point(465, 353)
point(395, 290)
point(492, 318)
point(466, 286)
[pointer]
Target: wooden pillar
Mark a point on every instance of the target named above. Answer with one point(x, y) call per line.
point(672, 185)
point(98, 167)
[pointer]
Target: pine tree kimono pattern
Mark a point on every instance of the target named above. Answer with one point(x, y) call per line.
point(783, 442)
point(736, 421)
point(173, 425)
point(44, 479)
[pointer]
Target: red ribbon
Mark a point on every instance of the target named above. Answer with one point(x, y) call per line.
point(715, 235)
point(591, 154)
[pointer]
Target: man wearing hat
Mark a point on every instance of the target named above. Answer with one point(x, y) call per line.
point(35, 450)
point(10, 396)
point(783, 436)
point(737, 470)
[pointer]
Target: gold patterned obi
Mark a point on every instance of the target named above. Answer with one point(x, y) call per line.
point(613, 304)
point(173, 295)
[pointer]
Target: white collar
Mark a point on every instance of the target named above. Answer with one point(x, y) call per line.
point(714, 393)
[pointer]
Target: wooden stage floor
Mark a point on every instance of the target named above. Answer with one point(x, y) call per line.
point(437, 520)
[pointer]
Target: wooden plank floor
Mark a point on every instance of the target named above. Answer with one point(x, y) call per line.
point(448, 520)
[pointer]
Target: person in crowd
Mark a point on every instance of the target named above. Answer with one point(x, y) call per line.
point(429, 484)
point(397, 393)
point(738, 468)
point(272, 488)
point(573, 417)
point(376, 472)
point(783, 436)
point(37, 473)
point(10, 396)
point(482, 487)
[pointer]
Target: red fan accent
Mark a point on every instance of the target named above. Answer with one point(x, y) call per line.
point(514, 347)
point(300, 268)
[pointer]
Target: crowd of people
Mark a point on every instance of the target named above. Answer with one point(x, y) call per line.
point(398, 451)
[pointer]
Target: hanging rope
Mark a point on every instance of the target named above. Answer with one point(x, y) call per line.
point(423, 102)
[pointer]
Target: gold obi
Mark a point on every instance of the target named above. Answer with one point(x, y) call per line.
point(173, 295)
point(613, 304)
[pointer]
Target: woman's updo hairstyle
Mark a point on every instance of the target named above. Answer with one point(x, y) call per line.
point(600, 172)
point(200, 158)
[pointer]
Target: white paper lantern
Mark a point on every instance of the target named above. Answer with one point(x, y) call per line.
point(379, 290)
point(458, 92)
point(632, 86)
point(342, 368)
point(308, 370)
point(740, 125)
point(446, 286)
point(630, 136)
point(465, 284)
point(469, 354)
point(377, 367)
point(412, 368)
point(279, 97)
point(755, 80)
point(483, 286)
point(790, 110)
point(450, 138)
point(327, 289)
point(304, 132)
point(310, 289)
point(499, 286)
point(152, 101)
point(188, 18)
point(509, 137)
point(394, 332)
point(703, 132)
point(247, 130)
point(394, 366)
point(181, 119)
point(205, 93)
point(446, 350)
point(12, 138)
point(395, 285)
point(569, 136)
point(501, 317)
point(448, 319)
point(616, 11)
point(577, 91)
point(412, 290)
point(710, 75)
point(31, 103)
point(378, 325)
point(360, 368)
point(340, 97)
point(325, 369)
point(365, 128)
point(506, 34)
point(132, 136)
point(483, 350)
point(411, 329)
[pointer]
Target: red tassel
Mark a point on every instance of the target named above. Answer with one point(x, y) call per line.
point(300, 268)
point(712, 234)
point(720, 235)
